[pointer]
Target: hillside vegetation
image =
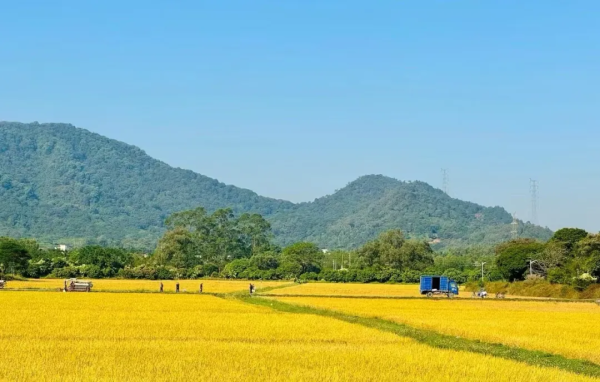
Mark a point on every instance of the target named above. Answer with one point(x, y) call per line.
point(62, 183)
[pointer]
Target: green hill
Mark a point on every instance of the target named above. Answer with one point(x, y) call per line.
point(62, 183)
point(375, 203)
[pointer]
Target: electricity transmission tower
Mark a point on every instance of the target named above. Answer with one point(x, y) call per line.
point(514, 231)
point(445, 181)
point(533, 189)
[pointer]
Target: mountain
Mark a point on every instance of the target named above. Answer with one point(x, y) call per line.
point(62, 183)
point(375, 203)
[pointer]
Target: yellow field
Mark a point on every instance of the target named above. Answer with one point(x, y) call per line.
point(569, 329)
point(209, 286)
point(351, 289)
point(98, 336)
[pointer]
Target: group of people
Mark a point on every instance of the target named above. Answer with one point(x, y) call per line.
point(162, 287)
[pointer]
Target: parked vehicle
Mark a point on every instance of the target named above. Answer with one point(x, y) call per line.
point(431, 285)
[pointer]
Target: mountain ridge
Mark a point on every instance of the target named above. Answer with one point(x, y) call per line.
point(61, 182)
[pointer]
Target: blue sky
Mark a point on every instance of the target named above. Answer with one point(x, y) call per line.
point(294, 99)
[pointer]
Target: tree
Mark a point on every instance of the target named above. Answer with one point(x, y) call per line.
point(553, 256)
point(392, 250)
point(569, 237)
point(512, 257)
point(587, 256)
point(305, 255)
point(109, 260)
point(256, 231)
point(14, 257)
point(176, 247)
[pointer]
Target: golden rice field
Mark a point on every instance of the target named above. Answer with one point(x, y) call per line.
point(209, 286)
point(569, 329)
point(47, 336)
point(351, 289)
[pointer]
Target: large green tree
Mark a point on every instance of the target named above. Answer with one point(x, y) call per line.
point(512, 257)
point(14, 256)
point(392, 250)
point(302, 257)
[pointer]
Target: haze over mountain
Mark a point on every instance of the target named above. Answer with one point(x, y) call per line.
point(62, 183)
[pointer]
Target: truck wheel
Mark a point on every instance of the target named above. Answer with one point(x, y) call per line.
point(429, 294)
point(450, 295)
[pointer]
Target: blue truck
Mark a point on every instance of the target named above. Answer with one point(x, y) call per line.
point(431, 285)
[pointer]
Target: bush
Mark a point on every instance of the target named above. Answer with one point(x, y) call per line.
point(164, 273)
point(309, 276)
point(580, 283)
point(410, 276)
point(66, 273)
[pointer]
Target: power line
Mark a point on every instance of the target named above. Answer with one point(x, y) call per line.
point(533, 189)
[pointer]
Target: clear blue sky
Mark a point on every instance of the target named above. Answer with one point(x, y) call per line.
point(294, 99)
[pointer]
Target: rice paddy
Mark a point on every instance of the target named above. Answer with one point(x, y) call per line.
point(49, 336)
point(191, 286)
point(98, 336)
point(570, 329)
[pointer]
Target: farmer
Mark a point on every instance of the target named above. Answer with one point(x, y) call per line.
point(201, 286)
point(177, 287)
point(251, 288)
point(161, 287)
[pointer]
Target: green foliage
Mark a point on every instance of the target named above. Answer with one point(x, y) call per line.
point(301, 258)
point(14, 256)
point(392, 250)
point(64, 184)
point(569, 236)
point(512, 257)
point(195, 238)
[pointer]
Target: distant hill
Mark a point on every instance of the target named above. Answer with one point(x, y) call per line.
point(62, 183)
point(374, 203)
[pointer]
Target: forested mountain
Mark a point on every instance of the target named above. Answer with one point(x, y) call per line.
point(375, 203)
point(62, 183)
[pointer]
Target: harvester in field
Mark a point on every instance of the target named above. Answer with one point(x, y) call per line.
point(74, 285)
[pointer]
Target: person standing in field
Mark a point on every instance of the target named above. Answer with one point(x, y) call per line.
point(177, 287)
point(161, 287)
point(201, 287)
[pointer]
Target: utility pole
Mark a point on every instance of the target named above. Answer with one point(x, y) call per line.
point(530, 268)
point(482, 264)
point(445, 181)
point(533, 189)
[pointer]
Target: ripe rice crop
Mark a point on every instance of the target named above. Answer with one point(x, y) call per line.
point(351, 289)
point(209, 286)
point(106, 337)
point(568, 329)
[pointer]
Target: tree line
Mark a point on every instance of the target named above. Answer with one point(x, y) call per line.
point(197, 244)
